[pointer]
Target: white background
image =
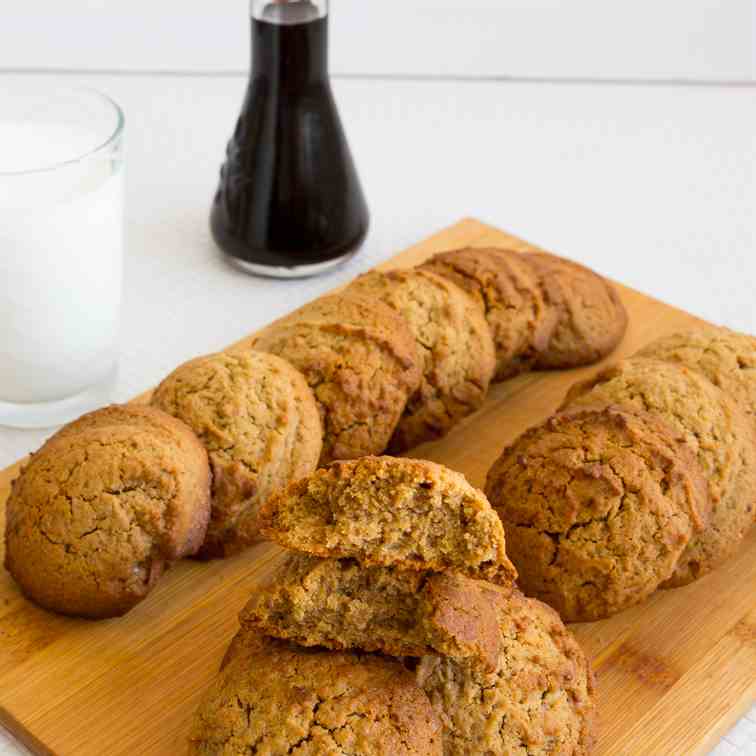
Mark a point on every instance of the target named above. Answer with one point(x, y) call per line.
point(607, 39)
point(643, 169)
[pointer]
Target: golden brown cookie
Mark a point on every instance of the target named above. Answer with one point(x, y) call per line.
point(725, 357)
point(455, 345)
point(258, 420)
point(275, 698)
point(713, 427)
point(95, 515)
point(178, 434)
point(538, 700)
point(598, 506)
point(507, 289)
point(361, 362)
point(391, 511)
point(338, 604)
point(590, 317)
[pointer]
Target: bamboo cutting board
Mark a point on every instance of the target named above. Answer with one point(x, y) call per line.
point(673, 674)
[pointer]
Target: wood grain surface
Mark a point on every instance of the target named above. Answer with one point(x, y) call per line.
point(673, 674)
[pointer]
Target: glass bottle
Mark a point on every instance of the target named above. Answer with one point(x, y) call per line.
point(289, 202)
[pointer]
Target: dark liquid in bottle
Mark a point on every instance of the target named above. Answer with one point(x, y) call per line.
point(289, 193)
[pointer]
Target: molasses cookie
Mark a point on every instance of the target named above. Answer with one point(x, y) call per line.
point(725, 357)
point(390, 511)
point(715, 430)
point(539, 699)
point(590, 318)
point(175, 432)
point(338, 604)
point(275, 698)
point(506, 288)
point(360, 360)
point(453, 341)
point(95, 515)
point(258, 420)
point(597, 505)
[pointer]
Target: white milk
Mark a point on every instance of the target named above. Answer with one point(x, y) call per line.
point(61, 250)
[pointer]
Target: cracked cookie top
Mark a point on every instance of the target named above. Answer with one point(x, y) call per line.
point(454, 343)
point(539, 699)
point(178, 434)
point(507, 290)
point(361, 362)
point(258, 420)
point(94, 516)
point(715, 430)
point(590, 317)
point(339, 604)
point(597, 505)
point(725, 357)
point(275, 698)
point(391, 511)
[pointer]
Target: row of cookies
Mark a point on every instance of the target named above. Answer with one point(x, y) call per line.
point(109, 501)
point(398, 358)
point(644, 479)
point(393, 627)
point(395, 360)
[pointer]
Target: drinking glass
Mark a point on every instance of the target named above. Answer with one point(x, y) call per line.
point(61, 250)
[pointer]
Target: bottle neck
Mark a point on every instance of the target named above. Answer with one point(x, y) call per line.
point(291, 53)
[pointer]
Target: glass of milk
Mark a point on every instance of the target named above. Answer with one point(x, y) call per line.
point(61, 250)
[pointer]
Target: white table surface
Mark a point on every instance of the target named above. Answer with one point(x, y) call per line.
point(652, 185)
